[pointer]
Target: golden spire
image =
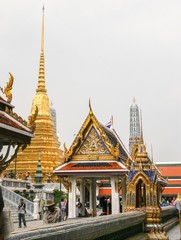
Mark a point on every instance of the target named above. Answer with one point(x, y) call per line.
point(41, 78)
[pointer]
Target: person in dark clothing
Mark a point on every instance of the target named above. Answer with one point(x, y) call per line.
point(66, 210)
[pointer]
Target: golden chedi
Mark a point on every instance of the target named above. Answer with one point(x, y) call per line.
point(45, 142)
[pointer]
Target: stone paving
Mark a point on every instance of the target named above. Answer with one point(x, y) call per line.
point(173, 234)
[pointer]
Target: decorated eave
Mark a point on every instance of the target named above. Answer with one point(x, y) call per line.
point(14, 131)
point(12, 127)
point(109, 137)
point(91, 168)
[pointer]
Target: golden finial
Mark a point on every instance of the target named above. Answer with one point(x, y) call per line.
point(90, 108)
point(8, 88)
point(41, 78)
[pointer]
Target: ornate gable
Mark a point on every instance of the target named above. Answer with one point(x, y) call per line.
point(93, 144)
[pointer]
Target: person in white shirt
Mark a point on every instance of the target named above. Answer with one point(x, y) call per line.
point(21, 213)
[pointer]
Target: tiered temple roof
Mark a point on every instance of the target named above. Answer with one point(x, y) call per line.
point(96, 151)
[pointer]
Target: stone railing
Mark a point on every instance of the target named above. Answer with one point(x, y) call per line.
point(118, 226)
point(14, 199)
point(14, 183)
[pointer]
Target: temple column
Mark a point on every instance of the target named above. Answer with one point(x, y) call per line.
point(115, 195)
point(82, 195)
point(93, 186)
point(90, 196)
point(72, 198)
point(123, 194)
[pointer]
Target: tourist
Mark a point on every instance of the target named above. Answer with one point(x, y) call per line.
point(104, 206)
point(21, 213)
point(66, 210)
point(177, 203)
point(79, 208)
point(172, 203)
point(1, 217)
point(63, 208)
point(52, 214)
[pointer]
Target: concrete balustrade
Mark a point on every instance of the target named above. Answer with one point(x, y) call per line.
point(14, 183)
point(123, 224)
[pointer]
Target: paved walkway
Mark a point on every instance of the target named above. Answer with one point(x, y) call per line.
point(173, 234)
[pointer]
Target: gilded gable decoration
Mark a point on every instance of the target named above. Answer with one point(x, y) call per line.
point(93, 144)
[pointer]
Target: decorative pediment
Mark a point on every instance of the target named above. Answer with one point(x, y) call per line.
point(93, 144)
point(95, 141)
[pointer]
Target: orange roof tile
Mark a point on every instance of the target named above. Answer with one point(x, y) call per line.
point(90, 166)
point(170, 170)
point(106, 191)
point(172, 190)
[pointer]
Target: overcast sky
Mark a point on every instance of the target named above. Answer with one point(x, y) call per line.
point(106, 50)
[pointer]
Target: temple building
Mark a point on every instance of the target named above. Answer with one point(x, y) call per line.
point(144, 189)
point(45, 142)
point(134, 125)
point(96, 154)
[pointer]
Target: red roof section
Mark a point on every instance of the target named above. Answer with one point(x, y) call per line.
point(170, 171)
point(91, 166)
point(172, 190)
point(106, 192)
point(9, 122)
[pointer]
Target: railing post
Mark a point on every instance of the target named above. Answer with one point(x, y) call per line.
point(36, 214)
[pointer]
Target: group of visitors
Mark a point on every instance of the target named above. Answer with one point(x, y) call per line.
point(49, 211)
point(168, 201)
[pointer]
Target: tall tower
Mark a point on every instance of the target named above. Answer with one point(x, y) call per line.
point(135, 133)
point(45, 141)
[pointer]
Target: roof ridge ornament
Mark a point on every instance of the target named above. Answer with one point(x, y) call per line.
point(90, 108)
point(8, 88)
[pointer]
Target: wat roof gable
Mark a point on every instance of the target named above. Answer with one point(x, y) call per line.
point(95, 141)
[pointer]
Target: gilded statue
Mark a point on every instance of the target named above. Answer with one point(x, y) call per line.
point(8, 88)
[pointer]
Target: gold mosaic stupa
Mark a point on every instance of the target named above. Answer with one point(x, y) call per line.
point(45, 144)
